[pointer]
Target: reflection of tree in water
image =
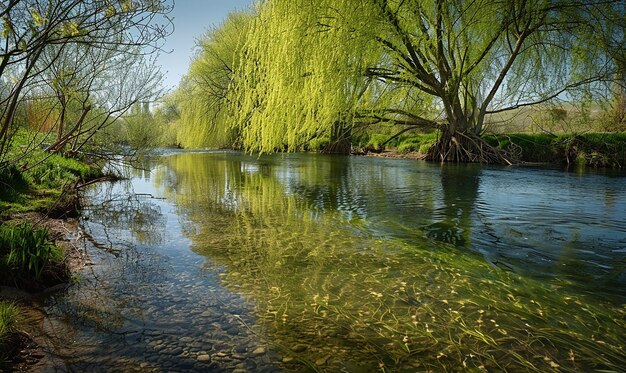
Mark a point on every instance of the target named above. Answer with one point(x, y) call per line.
point(106, 309)
point(361, 301)
point(453, 221)
point(127, 211)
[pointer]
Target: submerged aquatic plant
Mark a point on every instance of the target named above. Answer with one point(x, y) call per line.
point(362, 300)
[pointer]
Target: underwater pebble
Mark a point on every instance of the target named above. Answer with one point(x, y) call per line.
point(204, 358)
point(241, 349)
point(287, 359)
point(322, 361)
point(259, 351)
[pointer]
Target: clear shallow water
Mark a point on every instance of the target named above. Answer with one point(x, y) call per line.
point(224, 262)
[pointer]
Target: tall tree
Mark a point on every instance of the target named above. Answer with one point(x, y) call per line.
point(323, 69)
point(484, 57)
point(301, 75)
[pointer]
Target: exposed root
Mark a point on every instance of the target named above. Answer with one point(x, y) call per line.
point(466, 148)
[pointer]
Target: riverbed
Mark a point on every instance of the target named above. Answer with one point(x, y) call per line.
point(219, 261)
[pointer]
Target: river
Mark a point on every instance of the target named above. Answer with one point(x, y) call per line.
point(218, 261)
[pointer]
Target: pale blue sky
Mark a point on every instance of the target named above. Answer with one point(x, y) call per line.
point(192, 18)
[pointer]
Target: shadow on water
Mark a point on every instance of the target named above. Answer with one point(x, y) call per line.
point(318, 263)
point(453, 221)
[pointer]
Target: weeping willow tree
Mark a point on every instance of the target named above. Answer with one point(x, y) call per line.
point(298, 82)
point(481, 58)
point(205, 91)
point(305, 73)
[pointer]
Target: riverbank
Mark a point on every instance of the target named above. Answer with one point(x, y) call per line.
point(589, 149)
point(19, 348)
point(39, 249)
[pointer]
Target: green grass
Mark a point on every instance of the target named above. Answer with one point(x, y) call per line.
point(592, 149)
point(26, 252)
point(527, 147)
point(9, 322)
point(9, 319)
point(35, 182)
point(404, 143)
point(54, 171)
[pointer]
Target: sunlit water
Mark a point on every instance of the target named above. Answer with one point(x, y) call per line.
point(225, 262)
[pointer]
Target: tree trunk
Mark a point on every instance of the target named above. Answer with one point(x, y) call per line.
point(340, 139)
point(61, 120)
point(464, 146)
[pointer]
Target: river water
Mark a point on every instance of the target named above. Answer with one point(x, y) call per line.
point(219, 261)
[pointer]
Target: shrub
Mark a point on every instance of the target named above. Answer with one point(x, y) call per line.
point(527, 147)
point(9, 322)
point(409, 145)
point(12, 183)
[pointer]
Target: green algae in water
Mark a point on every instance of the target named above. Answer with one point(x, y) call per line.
point(359, 300)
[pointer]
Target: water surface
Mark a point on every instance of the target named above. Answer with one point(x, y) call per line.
point(226, 262)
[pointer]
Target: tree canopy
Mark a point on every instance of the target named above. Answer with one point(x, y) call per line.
point(308, 71)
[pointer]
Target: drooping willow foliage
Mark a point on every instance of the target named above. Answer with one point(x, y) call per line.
point(303, 73)
point(300, 82)
point(204, 93)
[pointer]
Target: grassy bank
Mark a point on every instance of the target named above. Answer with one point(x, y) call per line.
point(589, 149)
point(39, 181)
point(35, 188)
point(407, 143)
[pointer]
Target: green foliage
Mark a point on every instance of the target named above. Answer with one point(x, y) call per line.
point(416, 143)
point(54, 171)
point(593, 149)
point(37, 182)
point(42, 169)
point(403, 144)
point(26, 250)
point(12, 184)
point(297, 71)
point(527, 147)
point(140, 130)
point(375, 141)
point(202, 114)
point(9, 322)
